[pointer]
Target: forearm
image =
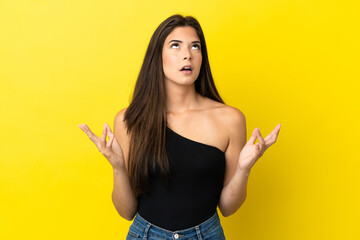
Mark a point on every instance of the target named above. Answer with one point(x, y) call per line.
point(123, 197)
point(234, 194)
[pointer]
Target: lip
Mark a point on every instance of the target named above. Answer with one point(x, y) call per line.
point(186, 72)
point(187, 66)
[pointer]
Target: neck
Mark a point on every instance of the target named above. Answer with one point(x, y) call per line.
point(181, 98)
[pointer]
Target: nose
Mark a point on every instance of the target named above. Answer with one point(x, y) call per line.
point(187, 53)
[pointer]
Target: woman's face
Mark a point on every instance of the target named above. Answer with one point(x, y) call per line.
point(182, 47)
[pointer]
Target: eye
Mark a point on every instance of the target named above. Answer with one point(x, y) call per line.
point(174, 44)
point(197, 45)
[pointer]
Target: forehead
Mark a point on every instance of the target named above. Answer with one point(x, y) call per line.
point(183, 33)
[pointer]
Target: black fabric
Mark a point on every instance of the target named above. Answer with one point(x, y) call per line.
point(195, 184)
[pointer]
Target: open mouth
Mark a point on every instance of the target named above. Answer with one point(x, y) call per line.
point(186, 69)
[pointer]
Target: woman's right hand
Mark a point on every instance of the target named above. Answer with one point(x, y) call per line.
point(111, 149)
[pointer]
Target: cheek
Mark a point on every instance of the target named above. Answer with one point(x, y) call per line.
point(169, 61)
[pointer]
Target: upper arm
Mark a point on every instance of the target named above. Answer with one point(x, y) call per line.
point(120, 132)
point(236, 128)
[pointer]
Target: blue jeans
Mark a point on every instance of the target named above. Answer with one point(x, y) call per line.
point(210, 229)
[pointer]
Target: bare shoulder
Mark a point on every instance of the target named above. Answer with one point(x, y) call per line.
point(232, 116)
point(235, 122)
point(120, 115)
point(229, 124)
point(119, 123)
point(228, 115)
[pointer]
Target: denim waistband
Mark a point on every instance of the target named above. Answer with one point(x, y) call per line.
point(201, 228)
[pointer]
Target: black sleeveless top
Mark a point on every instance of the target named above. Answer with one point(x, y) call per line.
point(194, 187)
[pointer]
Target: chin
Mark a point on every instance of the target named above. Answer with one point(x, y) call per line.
point(183, 81)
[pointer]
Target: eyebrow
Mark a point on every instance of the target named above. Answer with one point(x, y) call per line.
point(182, 41)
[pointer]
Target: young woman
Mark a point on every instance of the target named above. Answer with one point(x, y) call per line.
point(178, 151)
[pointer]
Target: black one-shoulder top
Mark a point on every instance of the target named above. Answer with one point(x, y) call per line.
point(194, 187)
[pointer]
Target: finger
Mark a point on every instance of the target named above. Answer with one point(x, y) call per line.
point(277, 130)
point(109, 143)
point(257, 150)
point(103, 138)
point(108, 128)
point(85, 128)
point(261, 143)
point(253, 137)
point(261, 140)
point(108, 131)
point(89, 133)
point(271, 138)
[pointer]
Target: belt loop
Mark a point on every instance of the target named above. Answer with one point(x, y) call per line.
point(146, 230)
point(198, 232)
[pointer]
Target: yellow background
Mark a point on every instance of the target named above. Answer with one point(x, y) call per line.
point(63, 63)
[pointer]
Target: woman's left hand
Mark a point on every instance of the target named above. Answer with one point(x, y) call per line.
point(251, 153)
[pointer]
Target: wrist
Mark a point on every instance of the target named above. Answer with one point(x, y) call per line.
point(245, 171)
point(118, 169)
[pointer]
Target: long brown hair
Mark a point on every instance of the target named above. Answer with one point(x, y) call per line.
point(146, 116)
